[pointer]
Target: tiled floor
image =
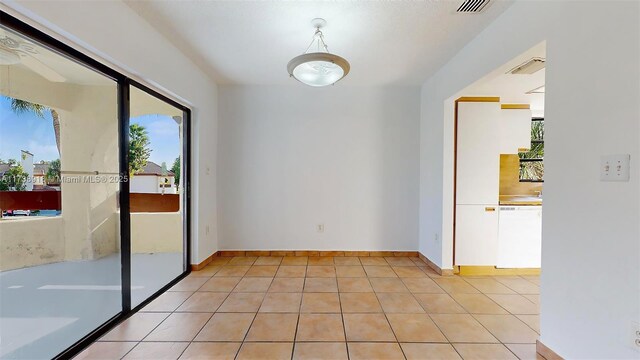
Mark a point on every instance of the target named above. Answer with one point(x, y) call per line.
point(331, 308)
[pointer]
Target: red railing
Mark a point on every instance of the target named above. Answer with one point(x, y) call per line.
point(52, 200)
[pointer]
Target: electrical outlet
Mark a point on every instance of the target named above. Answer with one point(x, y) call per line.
point(320, 228)
point(615, 167)
point(206, 230)
point(436, 238)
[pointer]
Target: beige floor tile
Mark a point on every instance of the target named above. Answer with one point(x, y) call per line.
point(462, 328)
point(157, 351)
point(439, 304)
point(203, 302)
point(399, 261)
point(281, 303)
point(454, 284)
point(220, 284)
point(263, 351)
point(350, 271)
point(484, 352)
point(242, 302)
point(211, 351)
point(291, 271)
point(189, 284)
point(320, 285)
point(268, 260)
point(321, 260)
point(398, 303)
point(287, 285)
point(208, 271)
point(243, 260)
point(525, 351)
point(233, 271)
point(534, 298)
point(169, 301)
point(478, 304)
point(354, 285)
point(534, 279)
point(360, 303)
point(430, 272)
point(321, 271)
point(226, 327)
point(294, 260)
point(253, 284)
point(136, 327)
point(320, 327)
point(375, 351)
point(377, 271)
point(106, 350)
point(409, 272)
point(373, 260)
point(346, 260)
point(383, 285)
point(422, 285)
point(262, 271)
point(519, 285)
point(508, 329)
point(532, 320)
point(320, 351)
point(367, 327)
point(488, 286)
point(273, 327)
point(179, 327)
point(419, 262)
point(320, 303)
point(416, 351)
point(415, 328)
point(222, 260)
point(515, 304)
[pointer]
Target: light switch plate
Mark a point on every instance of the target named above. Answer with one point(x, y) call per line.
point(615, 167)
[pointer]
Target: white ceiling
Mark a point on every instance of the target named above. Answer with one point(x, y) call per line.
point(512, 89)
point(240, 42)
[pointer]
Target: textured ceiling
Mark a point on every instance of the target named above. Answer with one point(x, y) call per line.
point(240, 42)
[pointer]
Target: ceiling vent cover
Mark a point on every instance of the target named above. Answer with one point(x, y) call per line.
point(472, 6)
point(528, 67)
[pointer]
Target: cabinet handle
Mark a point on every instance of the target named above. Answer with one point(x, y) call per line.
point(489, 209)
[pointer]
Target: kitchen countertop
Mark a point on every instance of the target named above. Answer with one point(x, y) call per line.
point(520, 200)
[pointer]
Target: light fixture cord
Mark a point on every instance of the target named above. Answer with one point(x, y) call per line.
point(318, 39)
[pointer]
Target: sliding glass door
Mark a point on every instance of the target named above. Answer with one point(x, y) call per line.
point(94, 195)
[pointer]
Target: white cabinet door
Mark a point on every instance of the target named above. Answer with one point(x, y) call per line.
point(478, 153)
point(515, 130)
point(520, 237)
point(476, 235)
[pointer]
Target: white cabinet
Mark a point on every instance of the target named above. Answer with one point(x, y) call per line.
point(520, 237)
point(515, 130)
point(476, 235)
point(478, 153)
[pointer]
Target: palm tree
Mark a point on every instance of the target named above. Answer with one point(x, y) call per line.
point(21, 106)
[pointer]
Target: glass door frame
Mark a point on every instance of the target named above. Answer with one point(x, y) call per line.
point(124, 84)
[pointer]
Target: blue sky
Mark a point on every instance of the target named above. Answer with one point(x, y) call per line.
point(29, 132)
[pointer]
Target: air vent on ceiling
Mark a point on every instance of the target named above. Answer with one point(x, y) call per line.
point(472, 6)
point(528, 67)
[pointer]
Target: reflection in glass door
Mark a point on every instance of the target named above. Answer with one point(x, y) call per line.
point(156, 188)
point(60, 263)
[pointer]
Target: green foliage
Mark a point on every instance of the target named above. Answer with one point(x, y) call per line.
point(15, 179)
point(139, 151)
point(53, 173)
point(12, 162)
point(176, 170)
point(533, 170)
point(20, 106)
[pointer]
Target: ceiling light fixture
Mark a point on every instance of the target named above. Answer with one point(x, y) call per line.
point(317, 66)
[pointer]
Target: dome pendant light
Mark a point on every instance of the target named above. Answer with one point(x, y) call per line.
point(317, 66)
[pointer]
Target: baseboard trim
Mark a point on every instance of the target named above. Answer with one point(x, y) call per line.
point(546, 353)
point(314, 253)
point(434, 267)
point(471, 270)
point(205, 262)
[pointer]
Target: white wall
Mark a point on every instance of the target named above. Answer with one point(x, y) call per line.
point(112, 33)
point(590, 286)
point(292, 157)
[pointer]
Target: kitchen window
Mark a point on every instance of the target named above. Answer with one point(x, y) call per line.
point(532, 160)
